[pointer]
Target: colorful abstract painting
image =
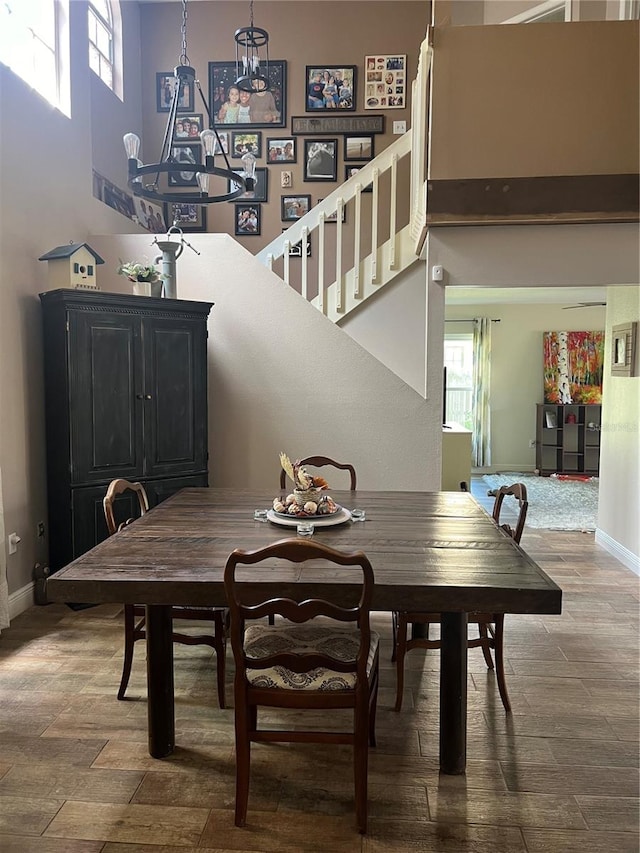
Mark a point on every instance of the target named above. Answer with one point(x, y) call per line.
point(573, 364)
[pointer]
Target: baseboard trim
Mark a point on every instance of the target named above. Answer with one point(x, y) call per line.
point(626, 557)
point(20, 600)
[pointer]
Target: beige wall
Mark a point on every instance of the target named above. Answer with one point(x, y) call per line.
point(619, 505)
point(525, 101)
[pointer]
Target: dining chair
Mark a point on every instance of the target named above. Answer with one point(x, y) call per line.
point(320, 462)
point(490, 625)
point(319, 655)
point(134, 614)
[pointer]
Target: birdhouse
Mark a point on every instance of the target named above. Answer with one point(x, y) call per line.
point(73, 265)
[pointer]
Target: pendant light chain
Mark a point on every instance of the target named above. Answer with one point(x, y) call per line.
point(184, 59)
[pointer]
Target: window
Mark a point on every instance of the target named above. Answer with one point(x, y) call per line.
point(458, 359)
point(101, 40)
point(34, 43)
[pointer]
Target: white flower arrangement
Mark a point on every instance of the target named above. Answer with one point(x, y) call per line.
point(140, 272)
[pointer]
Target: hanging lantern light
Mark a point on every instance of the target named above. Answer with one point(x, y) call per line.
point(252, 57)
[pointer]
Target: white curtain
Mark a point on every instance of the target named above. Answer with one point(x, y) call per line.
point(481, 412)
point(4, 589)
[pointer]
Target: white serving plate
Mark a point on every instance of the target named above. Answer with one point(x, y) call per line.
point(318, 520)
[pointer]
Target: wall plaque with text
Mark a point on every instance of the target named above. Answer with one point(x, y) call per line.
point(336, 124)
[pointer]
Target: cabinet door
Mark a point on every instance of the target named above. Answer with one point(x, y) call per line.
point(106, 382)
point(175, 390)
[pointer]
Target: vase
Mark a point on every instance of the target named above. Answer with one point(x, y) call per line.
point(302, 496)
point(147, 288)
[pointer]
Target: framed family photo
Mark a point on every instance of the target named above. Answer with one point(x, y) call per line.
point(330, 88)
point(350, 171)
point(242, 142)
point(385, 82)
point(259, 192)
point(623, 349)
point(231, 107)
point(187, 217)
point(320, 159)
point(188, 127)
point(165, 87)
point(294, 207)
point(281, 150)
point(247, 219)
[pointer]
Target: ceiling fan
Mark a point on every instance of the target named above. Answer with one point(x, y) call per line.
point(584, 305)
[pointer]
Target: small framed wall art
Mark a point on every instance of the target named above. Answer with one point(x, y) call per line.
point(623, 349)
point(188, 217)
point(165, 87)
point(385, 86)
point(242, 142)
point(294, 207)
point(247, 219)
point(320, 159)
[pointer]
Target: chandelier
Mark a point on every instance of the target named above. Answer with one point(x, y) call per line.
point(148, 181)
point(252, 57)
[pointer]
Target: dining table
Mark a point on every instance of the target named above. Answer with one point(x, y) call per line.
point(430, 551)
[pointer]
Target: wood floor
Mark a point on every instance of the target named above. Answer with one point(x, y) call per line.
point(560, 775)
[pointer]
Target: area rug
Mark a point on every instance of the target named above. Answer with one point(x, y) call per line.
point(554, 503)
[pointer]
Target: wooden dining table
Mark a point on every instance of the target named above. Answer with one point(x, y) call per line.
point(430, 551)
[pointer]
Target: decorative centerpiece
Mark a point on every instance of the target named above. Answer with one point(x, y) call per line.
point(309, 496)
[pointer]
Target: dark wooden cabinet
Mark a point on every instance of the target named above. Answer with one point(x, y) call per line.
point(568, 438)
point(125, 396)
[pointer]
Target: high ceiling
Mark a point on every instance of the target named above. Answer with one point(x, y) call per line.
point(524, 295)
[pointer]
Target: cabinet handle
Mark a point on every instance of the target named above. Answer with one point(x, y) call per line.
point(139, 396)
point(147, 396)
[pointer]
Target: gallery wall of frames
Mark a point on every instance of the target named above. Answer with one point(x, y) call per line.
point(330, 107)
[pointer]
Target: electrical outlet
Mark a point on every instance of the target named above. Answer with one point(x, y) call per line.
point(40, 529)
point(532, 442)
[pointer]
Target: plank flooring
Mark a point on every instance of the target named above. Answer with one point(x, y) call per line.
point(559, 775)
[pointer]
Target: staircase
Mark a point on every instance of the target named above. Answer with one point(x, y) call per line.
point(355, 258)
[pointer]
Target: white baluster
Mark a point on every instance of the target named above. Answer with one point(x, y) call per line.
point(374, 228)
point(357, 281)
point(270, 261)
point(321, 263)
point(392, 212)
point(285, 257)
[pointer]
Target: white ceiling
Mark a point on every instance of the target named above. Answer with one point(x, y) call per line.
point(524, 295)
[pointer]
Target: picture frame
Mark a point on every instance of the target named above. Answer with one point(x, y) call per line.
point(223, 144)
point(282, 150)
point(321, 160)
point(330, 88)
point(385, 82)
point(270, 107)
point(185, 152)
point(259, 192)
point(187, 217)
point(550, 419)
point(286, 179)
point(351, 170)
point(188, 126)
point(166, 83)
point(241, 140)
point(247, 220)
point(293, 207)
point(296, 249)
point(359, 147)
point(150, 215)
point(334, 216)
point(623, 349)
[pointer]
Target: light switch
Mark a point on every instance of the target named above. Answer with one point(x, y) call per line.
point(399, 127)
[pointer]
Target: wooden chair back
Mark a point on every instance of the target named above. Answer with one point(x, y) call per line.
point(118, 487)
point(320, 462)
point(519, 492)
point(242, 598)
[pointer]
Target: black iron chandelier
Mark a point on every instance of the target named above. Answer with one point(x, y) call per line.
point(145, 180)
point(252, 57)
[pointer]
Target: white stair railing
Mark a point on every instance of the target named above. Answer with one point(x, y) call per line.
point(389, 203)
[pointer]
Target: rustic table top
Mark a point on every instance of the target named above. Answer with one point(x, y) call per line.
point(430, 551)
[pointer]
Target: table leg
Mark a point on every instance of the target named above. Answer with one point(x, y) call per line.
point(160, 708)
point(453, 693)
